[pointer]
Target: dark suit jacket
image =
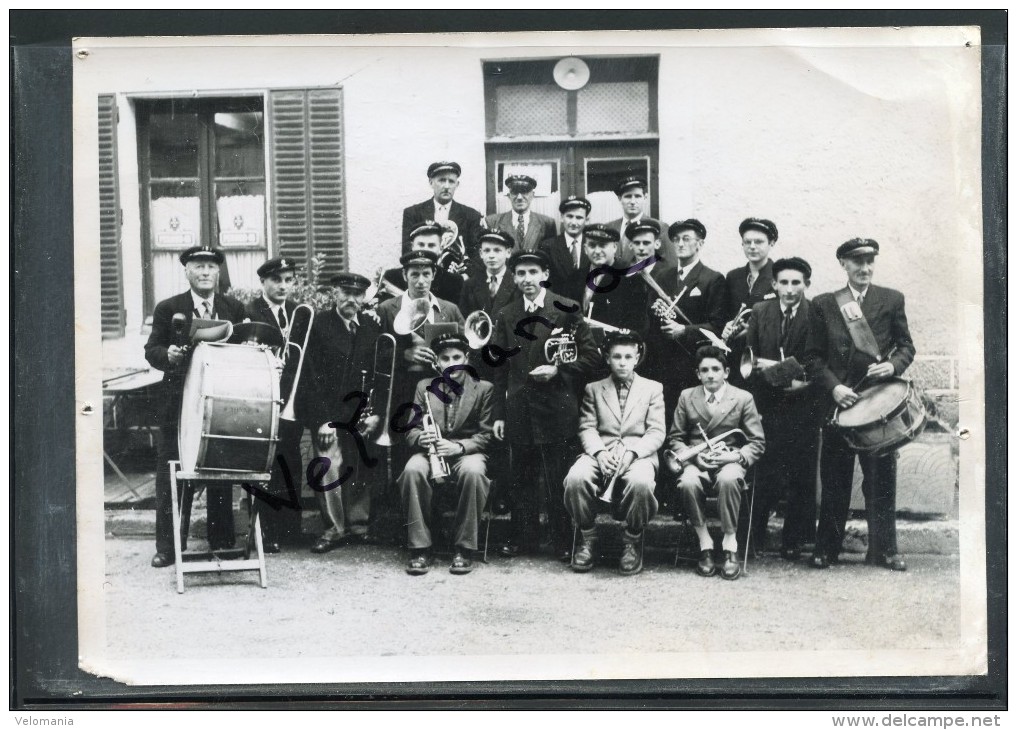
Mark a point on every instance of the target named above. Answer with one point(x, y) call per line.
point(162, 336)
point(445, 286)
point(464, 216)
point(541, 227)
point(673, 361)
point(738, 288)
point(476, 295)
point(624, 306)
point(535, 412)
point(666, 250)
point(259, 311)
point(789, 409)
point(472, 425)
point(563, 269)
point(830, 352)
point(333, 368)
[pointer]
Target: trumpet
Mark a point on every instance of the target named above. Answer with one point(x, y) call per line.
point(561, 348)
point(667, 308)
point(439, 467)
point(478, 329)
point(619, 451)
point(601, 325)
point(740, 323)
point(718, 445)
point(289, 412)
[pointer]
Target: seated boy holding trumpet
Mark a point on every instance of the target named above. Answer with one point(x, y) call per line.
point(449, 442)
point(707, 422)
point(621, 426)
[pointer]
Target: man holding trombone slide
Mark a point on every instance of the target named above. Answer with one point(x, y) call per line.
point(621, 427)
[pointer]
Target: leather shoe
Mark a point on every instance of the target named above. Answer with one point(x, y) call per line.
point(271, 548)
point(819, 560)
point(565, 555)
point(461, 564)
point(730, 570)
point(706, 567)
point(892, 562)
point(510, 550)
point(791, 554)
point(419, 564)
point(584, 557)
point(162, 560)
point(324, 545)
point(631, 561)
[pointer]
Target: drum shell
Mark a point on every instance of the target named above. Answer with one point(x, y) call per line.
point(886, 416)
point(229, 415)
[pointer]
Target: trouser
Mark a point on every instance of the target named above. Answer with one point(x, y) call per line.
point(346, 507)
point(787, 469)
point(728, 482)
point(220, 526)
point(533, 465)
point(468, 477)
point(280, 518)
point(879, 486)
point(633, 493)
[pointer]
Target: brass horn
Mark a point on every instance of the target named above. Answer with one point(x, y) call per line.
point(478, 329)
point(561, 348)
point(412, 318)
point(379, 285)
point(750, 363)
point(289, 412)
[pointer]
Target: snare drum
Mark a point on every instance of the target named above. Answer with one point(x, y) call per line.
point(229, 418)
point(886, 416)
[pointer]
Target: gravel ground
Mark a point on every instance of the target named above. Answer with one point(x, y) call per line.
point(358, 601)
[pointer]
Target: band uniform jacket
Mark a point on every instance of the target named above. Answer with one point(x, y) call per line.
point(444, 286)
point(258, 311)
point(666, 250)
point(640, 427)
point(477, 296)
point(738, 291)
point(703, 303)
point(446, 312)
point(162, 336)
point(540, 228)
point(795, 408)
point(333, 368)
point(735, 410)
point(830, 354)
point(465, 217)
point(563, 267)
point(623, 306)
point(471, 424)
point(540, 413)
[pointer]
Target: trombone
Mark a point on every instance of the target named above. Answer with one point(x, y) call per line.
point(289, 412)
point(384, 369)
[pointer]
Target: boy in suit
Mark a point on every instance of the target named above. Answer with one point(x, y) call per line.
point(527, 227)
point(443, 178)
point(536, 402)
point(714, 408)
point(168, 350)
point(495, 288)
point(857, 334)
point(566, 251)
point(464, 423)
point(426, 235)
point(621, 427)
point(778, 329)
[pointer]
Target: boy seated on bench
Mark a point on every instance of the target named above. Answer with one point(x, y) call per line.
point(719, 414)
point(621, 426)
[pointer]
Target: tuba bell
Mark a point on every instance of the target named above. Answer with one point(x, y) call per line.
point(412, 318)
point(478, 329)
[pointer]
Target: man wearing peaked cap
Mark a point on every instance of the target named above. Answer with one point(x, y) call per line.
point(565, 251)
point(644, 240)
point(858, 336)
point(701, 295)
point(340, 350)
point(527, 227)
point(168, 350)
point(442, 208)
point(274, 308)
point(607, 295)
point(462, 437)
point(426, 235)
point(749, 284)
point(632, 195)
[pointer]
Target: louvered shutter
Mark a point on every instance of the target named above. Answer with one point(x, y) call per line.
point(308, 175)
point(110, 270)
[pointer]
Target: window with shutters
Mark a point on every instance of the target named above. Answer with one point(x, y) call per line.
point(110, 269)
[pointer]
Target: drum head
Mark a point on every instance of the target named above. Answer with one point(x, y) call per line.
point(875, 403)
point(192, 415)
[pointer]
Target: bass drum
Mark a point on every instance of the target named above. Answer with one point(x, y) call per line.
point(886, 416)
point(229, 418)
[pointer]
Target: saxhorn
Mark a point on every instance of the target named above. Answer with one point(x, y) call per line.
point(478, 329)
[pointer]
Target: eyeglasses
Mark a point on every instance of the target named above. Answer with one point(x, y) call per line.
point(687, 239)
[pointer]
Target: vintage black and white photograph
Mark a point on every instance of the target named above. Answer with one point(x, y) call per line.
point(530, 356)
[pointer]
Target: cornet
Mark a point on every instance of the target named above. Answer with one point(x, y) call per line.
point(740, 323)
point(676, 462)
point(289, 412)
point(667, 308)
point(561, 348)
point(439, 467)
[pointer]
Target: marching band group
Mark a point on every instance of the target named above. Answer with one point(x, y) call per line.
point(603, 364)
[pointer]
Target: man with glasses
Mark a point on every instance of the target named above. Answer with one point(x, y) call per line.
point(749, 284)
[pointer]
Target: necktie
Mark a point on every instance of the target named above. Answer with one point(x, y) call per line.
point(785, 325)
point(531, 307)
point(574, 248)
point(711, 403)
point(751, 279)
point(282, 318)
point(206, 309)
point(520, 231)
point(492, 285)
point(861, 297)
point(353, 328)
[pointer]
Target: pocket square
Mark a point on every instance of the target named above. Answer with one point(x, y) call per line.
point(771, 295)
point(695, 292)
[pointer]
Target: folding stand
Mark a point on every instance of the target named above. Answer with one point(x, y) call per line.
point(211, 561)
